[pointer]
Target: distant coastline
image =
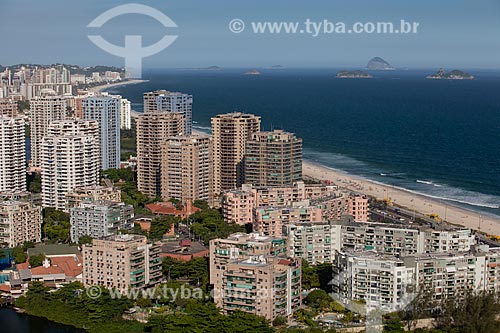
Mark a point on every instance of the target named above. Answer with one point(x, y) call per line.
point(104, 87)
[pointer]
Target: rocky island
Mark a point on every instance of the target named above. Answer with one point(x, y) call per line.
point(252, 72)
point(452, 75)
point(379, 64)
point(353, 75)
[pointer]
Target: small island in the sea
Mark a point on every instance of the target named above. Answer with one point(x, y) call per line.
point(213, 68)
point(452, 75)
point(252, 72)
point(379, 64)
point(277, 67)
point(353, 75)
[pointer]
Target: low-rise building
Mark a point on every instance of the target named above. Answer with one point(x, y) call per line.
point(313, 242)
point(269, 221)
point(262, 285)
point(121, 262)
point(237, 207)
point(99, 219)
point(20, 222)
point(241, 246)
point(81, 195)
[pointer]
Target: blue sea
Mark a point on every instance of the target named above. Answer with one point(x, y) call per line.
point(435, 137)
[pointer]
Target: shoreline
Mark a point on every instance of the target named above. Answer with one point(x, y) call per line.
point(404, 198)
point(102, 87)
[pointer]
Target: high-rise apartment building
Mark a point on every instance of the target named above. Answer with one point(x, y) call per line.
point(69, 159)
point(152, 130)
point(273, 159)
point(20, 222)
point(106, 111)
point(12, 155)
point(230, 133)
point(186, 168)
point(43, 111)
point(169, 101)
point(121, 262)
point(8, 107)
point(99, 219)
point(125, 114)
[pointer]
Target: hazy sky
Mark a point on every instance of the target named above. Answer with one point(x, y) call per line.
point(452, 33)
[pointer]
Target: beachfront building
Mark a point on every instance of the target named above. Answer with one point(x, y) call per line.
point(69, 159)
point(152, 129)
point(20, 222)
point(12, 155)
point(43, 111)
point(288, 195)
point(251, 273)
point(230, 133)
point(105, 110)
point(315, 243)
point(99, 219)
point(269, 221)
point(273, 159)
point(121, 262)
point(80, 195)
point(382, 281)
point(358, 207)
point(237, 204)
point(186, 169)
point(169, 101)
point(400, 240)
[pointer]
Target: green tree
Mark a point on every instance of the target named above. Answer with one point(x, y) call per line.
point(394, 326)
point(56, 226)
point(160, 225)
point(36, 260)
point(280, 321)
point(3, 254)
point(86, 239)
point(34, 181)
point(201, 204)
point(19, 255)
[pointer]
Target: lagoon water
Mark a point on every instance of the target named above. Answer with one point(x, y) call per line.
point(13, 322)
point(436, 137)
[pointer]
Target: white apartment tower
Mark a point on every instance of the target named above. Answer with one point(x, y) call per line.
point(12, 155)
point(125, 120)
point(43, 111)
point(69, 159)
point(106, 111)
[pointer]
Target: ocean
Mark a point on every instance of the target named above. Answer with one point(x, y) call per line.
point(438, 138)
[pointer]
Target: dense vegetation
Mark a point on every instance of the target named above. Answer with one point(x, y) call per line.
point(194, 271)
point(56, 226)
point(208, 224)
point(70, 305)
point(128, 144)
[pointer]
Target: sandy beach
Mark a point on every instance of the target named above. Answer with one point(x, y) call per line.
point(411, 201)
point(116, 84)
